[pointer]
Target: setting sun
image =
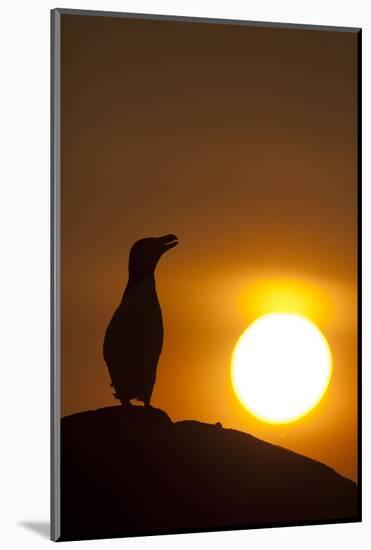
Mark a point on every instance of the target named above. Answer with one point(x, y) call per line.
point(281, 367)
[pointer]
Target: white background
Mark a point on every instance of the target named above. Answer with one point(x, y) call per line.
point(24, 268)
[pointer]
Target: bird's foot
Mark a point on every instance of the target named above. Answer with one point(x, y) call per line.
point(126, 404)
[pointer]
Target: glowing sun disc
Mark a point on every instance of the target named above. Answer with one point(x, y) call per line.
point(281, 367)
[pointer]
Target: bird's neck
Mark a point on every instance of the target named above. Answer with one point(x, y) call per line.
point(141, 278)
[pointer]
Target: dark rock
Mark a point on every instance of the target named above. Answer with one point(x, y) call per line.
point(131, 470)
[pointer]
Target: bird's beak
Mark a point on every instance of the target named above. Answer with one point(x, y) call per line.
point(168, 241)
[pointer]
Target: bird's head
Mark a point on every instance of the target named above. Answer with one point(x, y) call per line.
point(145, 254)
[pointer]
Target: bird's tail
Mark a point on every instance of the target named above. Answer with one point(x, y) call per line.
point(114, 393)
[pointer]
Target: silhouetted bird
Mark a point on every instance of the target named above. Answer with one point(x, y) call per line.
point(134, 336)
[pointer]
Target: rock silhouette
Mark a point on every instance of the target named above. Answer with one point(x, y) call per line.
point(132, 471)
point(134, 336)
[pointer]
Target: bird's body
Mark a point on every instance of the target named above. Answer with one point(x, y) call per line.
point(133, 342)
point(134, 336)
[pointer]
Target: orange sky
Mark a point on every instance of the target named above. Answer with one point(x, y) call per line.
point(242, 142)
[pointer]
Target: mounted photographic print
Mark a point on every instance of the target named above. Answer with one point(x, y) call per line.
point(205, 275)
